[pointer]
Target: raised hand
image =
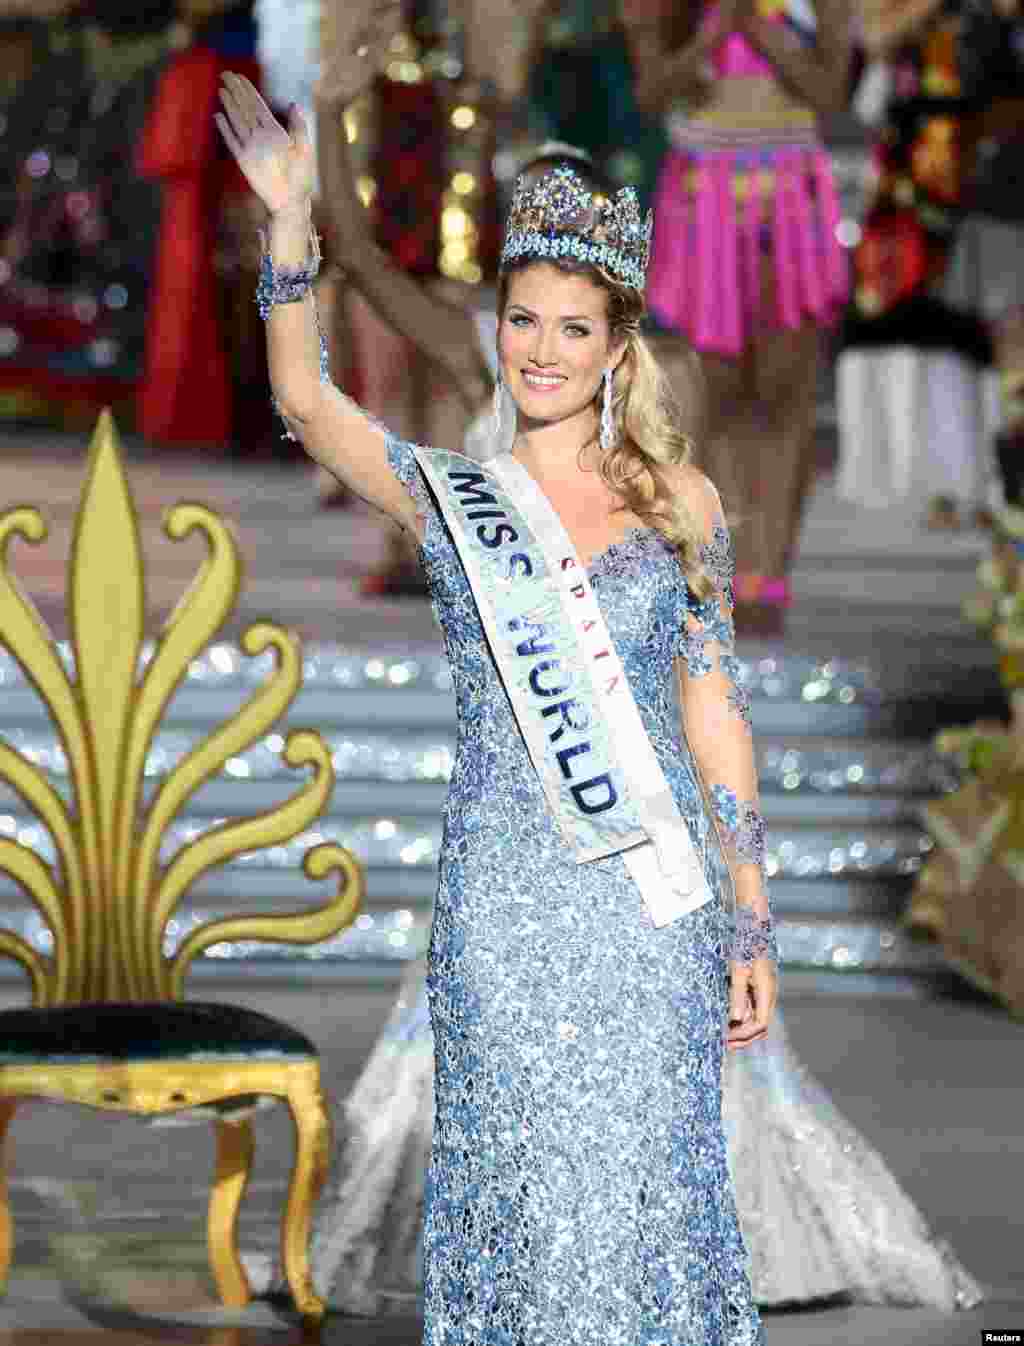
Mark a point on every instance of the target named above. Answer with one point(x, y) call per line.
point(278, 164)
point(357, 34)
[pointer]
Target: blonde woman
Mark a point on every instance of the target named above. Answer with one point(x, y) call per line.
point(588, 965)
point(792, 1154)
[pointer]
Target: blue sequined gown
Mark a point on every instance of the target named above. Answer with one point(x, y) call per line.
point(578, 1192)
point(820, 1212)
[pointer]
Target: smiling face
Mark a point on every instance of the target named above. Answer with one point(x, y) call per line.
point(554, 342)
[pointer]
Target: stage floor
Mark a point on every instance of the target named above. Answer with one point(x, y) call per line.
point(109, 1219)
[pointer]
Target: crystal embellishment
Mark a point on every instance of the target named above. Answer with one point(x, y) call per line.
point(559, 217)
point(754, 937)
point(718, 559)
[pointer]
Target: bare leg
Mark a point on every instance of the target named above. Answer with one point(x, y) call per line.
point(681, 367)
point(445, 418)
point(385, 359)
point(721, 450)
point(786, 374)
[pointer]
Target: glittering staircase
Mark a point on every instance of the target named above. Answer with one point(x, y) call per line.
point(843, 757)
point(876, 658)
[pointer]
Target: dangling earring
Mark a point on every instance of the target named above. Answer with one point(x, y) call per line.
point(607, 423)
point(504, 417)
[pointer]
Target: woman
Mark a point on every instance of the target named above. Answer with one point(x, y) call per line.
point(367, 1234)
point(914, 416)
point(746, 261)
point(586, 972)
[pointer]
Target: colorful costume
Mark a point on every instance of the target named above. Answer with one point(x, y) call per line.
point(727, 197)
point(914, 410)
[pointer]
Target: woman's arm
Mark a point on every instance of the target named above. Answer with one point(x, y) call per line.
point(716, 719)
point(502, 43)
point(440, 331)
point(662, 74)
point(334, 430)
point(818, 76)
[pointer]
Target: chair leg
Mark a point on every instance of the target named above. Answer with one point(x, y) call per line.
point(312, 1152)
point(7, 1107)
point(234, 1164)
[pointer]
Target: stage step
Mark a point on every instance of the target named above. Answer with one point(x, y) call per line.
point(844, 758)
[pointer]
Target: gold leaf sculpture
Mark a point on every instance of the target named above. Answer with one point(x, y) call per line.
point(108, 902)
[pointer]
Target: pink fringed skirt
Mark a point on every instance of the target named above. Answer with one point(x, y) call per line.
point(725, 199)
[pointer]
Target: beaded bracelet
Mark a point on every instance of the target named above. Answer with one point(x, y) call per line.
point(753, 936)
point(285, 286)
point(290, 287)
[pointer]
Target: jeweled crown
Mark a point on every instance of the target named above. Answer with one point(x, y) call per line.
point(557, 216)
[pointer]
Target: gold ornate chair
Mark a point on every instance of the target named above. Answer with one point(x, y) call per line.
point(108, 1027)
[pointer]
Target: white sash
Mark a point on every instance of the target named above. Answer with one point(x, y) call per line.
point(526, 577)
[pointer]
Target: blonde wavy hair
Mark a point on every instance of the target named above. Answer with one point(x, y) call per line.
point(649, 435)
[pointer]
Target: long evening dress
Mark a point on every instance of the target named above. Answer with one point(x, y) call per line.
point(577, 1190)
point(819, 1210)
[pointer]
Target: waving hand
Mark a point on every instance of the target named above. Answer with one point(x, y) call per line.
point(278, 164)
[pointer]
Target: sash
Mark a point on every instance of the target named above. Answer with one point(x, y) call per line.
point(566, 684)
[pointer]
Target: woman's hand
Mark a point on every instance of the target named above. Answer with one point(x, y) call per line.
point(753, 992)
point(357, 34)
point(278, 164)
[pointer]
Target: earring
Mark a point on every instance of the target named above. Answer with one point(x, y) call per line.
point(607, 423)
point(504, 418)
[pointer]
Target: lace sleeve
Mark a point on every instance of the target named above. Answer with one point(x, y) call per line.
point(402, 462)
point(716, 712)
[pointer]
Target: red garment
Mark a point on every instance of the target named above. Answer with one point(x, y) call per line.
point(408, 166)
point(185, 395)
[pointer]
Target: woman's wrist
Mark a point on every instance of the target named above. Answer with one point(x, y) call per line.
point(291, 260)
point(754, 936)
point(288, 235)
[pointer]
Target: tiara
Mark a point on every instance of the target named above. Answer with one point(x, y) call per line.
point(559, 217)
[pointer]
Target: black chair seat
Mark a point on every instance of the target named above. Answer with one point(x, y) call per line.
point(193, 1031)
